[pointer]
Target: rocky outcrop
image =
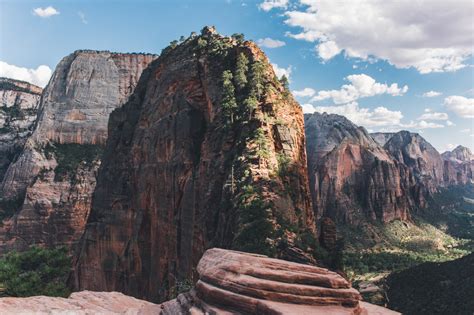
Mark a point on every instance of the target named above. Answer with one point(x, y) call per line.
point(230, 282)
point(196, 159)
point(79, 303)
point(460, 154)
point(458, 165)
point(352, 177)
point(423, 160)
point(240, 283)
point(48, 189)
point(18, 111)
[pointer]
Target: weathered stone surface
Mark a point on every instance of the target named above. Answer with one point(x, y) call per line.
point(18, 111)
point(240, 283)
point(458, 165)
point(176, 169)
point(79, 303)
point(49, 187)
point(352, 177)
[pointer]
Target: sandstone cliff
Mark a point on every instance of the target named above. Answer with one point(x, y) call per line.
point(352, 177)
point(458, 165)
point(48, 188)
point(18, 111)
point(209, 151)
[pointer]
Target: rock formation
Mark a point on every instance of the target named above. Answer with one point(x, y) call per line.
point(229, 282)
point(241, 283)
point(79, 303)
point(50, 184)
point(381, 137)
point(351, 176)
point(209, 151)
point(18, 111)
point(458, 165)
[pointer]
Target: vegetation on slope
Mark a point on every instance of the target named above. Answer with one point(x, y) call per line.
point(37, 271)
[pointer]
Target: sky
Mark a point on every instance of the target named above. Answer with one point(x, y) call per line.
point(386, 65)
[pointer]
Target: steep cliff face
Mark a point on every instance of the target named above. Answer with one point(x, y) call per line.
point(351, 176)
point(420, 156)
point(47, 191)
point(458, 165)
point(460, 154)
point(381, 137)
point(18, 111)
point(209, 151)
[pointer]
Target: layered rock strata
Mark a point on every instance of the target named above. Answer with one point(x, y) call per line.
point(196, 159)
point(48, 189)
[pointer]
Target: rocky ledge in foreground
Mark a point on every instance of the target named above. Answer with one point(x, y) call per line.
point(233, 282)
point(230, 282)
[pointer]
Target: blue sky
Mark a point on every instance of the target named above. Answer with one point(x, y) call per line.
point(371, 61)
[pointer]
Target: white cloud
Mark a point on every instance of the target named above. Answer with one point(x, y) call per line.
point(378, 117)
point(39, 76)
point(327, 50)
point(462, 106)
point(282, 71)
point(422, 125)
point(306, 92)
point(467, 130)
point(428, 115)
point(82, 16)
point(361, 85)
point(267, 5)
point(432, 36)
point(450, 123)
point(45, 12)
point(270, 43)
point(432, 94)
point(308, 108)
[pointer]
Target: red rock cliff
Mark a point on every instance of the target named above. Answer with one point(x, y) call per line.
point(200, 156)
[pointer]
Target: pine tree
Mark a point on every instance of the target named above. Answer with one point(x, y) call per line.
point(241, 69)
point(256, 79)
point(284, 81)
point(229, 103)
point(251, 104)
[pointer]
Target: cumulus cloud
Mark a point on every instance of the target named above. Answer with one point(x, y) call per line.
point(39, 76)
point(460, 105)
point(306, 92)
point(449, 123)
point(378, 117)
point(45, 12)
point(361, 85)
point(270, 42)
point(429, 115)
point(282, 71)
point(432, 94)
point(431, 36)
point(327, 50)
point(267, 5)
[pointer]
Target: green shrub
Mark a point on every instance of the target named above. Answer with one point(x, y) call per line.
point(37, 271)
point(70, 155)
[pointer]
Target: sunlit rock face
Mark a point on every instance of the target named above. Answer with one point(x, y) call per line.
point(179, 172)
point(19, 103)
point(47, 190)
point(352, 177)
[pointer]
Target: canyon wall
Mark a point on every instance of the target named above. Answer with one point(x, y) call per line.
point(48, 188)
point(352, 177)
point(19, 103)
point(209, 151)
